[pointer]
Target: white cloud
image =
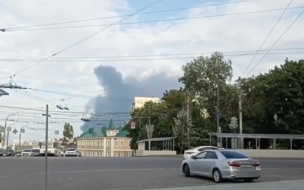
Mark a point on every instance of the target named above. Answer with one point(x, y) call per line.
point(226, 33)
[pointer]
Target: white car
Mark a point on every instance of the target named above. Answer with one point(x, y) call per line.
point(195, 150)
point(70, 152)
point(222, 164)
point(27, 152)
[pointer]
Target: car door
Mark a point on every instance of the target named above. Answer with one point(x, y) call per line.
point(197, 163)
point(210, 160)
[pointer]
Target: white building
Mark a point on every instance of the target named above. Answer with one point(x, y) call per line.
point(140, 101)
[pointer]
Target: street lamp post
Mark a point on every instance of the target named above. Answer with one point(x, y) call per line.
point(46, 144)
point(5, 125)
point(9, 129)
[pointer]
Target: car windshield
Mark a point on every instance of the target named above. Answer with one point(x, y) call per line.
point(27, 151)
point(233, 154)
point(9, 151)
point(71, 149)
point(36, 150)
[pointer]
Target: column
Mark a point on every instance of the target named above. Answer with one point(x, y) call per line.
point(104, 152)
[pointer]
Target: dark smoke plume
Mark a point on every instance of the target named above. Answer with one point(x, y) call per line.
point(119, 88)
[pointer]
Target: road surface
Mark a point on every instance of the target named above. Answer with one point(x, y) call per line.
point(120, 173)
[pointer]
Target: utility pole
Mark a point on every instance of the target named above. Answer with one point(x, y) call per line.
point(149, 115)
point(241, 120)
point(218, 106)
point(7, 138)
point(20, 140)
point(22, 130)
point(46, 144)
point(188, 117)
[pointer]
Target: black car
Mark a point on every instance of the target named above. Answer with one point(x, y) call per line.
point(8, 152)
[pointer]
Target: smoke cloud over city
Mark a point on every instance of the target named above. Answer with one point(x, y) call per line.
point(120, 92)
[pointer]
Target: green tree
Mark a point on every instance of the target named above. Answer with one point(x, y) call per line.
point(68, 131)
point(202, 77)
point(183, 130)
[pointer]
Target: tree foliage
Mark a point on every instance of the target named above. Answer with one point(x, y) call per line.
point(68, 131)
point(279, 92)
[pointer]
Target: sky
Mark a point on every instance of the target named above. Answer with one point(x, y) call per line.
point(79, 54)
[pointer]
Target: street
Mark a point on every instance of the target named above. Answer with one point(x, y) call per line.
point(119, 173)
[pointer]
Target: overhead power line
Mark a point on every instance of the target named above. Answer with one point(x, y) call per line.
point(272, 29)
point(237, 53)
point(158, 57)
point(62, 112)
point(111, 17)
point(301, 13)
point(92, 35)
point(154, 21)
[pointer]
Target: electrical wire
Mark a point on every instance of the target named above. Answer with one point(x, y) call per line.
point(76, 87)
point(144, 13)
point(237, 53)
point(33, 96)
point(98, 98)
point(161, 20)
point(91, 35)
point(269, 34)
point(177, 57)
point(301, 13)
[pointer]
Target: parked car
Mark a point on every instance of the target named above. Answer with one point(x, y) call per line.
point(35, 152)
point(26, 152)
point(18, 154)
point(195, 150)
point(222, 164)
point(70, 152)
point(8, 152)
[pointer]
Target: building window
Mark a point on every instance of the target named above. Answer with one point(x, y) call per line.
point(108, 154)
point(116, 143)
point(121, 143)
point(121, 154)
point(116, 154)
point(108, 143)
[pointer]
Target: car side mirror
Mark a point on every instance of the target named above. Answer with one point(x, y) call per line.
point(193, 157)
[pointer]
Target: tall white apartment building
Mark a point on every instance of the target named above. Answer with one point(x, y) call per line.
point(140, 101)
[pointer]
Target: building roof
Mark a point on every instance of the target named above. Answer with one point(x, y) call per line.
point(156, 139)
point(102, 132)
point(111, 125)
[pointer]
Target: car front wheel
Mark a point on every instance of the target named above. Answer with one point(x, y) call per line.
point(186, 170)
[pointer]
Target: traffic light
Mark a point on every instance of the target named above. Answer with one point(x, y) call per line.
point(233, 123)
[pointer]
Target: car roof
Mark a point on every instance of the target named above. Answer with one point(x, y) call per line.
point(201, 147)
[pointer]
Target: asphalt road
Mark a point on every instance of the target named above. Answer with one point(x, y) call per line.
point(119, 173)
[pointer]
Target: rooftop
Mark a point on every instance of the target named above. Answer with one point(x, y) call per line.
point(156, 139)
point(102, 132)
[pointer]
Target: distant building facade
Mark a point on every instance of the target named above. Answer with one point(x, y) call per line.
point(140, 101)
point(110, 141)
